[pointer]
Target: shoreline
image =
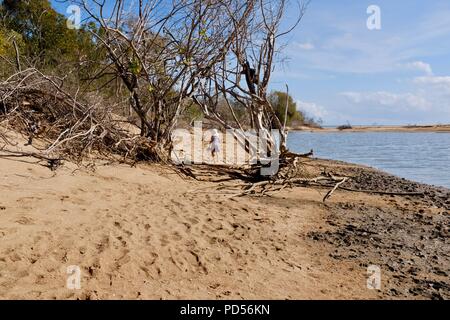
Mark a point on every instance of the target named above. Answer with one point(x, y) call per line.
point(422, 128)
point(381, 171)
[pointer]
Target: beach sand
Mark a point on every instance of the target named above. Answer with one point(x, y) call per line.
point(146, 233)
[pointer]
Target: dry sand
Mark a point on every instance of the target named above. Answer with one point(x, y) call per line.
point(146, 233)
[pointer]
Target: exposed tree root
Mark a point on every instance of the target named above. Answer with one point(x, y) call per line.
point(52, 163)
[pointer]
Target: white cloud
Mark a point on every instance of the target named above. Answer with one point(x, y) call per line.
point(420, 66)
point(440, 86)
point(427, 102)
point(399, 101)
point(434, 80)
point(305, 46)
point(312, 109)
point(343, 46)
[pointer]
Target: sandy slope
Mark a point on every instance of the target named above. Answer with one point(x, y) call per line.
point(141, 233)
point(147, 233)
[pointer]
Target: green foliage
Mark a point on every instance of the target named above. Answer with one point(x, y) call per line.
point(8, 51)
point(193, 113)
point(278, 101)
point(48, 41)
point(6, 42)
point(135, 66)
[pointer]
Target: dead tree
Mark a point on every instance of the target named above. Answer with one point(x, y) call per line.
point(252, 55)
point(161, 51)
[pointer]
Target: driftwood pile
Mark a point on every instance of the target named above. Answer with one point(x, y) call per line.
point(295, 171)
point(247, 180)
point(38, 106)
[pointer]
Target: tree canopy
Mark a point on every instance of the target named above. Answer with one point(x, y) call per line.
point(47, 40)
point(278, 101)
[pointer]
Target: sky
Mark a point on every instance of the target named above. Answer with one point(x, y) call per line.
point(341, 71)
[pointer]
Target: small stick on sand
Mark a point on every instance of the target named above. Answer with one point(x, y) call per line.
point(329, 193)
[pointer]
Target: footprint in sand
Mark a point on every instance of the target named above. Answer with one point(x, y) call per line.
point(188, 226)
point(176, 236)
point(14, 257)
point(25, 220)
point(122, 241)
point(164, 241)
point(123, 259)
point(148, 239)
point(193, 221)
point(103, 245)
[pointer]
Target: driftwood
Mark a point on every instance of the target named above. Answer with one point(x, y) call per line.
point(52, 163)
point(37, 106)
point(246, 180)
point(265, 187)
point(329, 193)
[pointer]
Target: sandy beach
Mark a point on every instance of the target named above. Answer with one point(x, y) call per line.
point(144, 232)
point(174, 150)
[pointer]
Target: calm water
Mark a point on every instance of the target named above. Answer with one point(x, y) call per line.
point(423, 157)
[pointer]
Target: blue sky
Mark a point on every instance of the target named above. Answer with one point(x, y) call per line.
point(339, 70)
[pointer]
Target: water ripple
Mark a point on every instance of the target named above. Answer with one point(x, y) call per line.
point(424, 157)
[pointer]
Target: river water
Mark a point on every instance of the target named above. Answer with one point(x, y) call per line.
point(418, 156)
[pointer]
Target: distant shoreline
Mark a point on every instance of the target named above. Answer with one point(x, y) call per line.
point(405, 128)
